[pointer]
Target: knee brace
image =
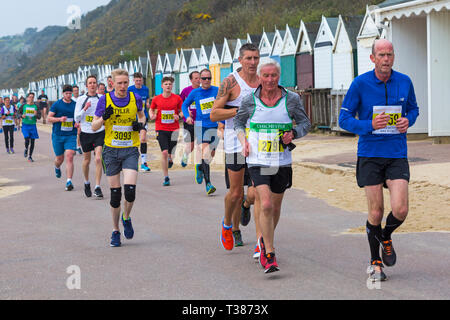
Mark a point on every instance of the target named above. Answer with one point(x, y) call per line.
point(116, 197)
point(130, 192)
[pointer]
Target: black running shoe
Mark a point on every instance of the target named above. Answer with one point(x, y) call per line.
point(98, 193)
point(87, 190)
point(388, 253)
point(170, 164)
point(25, 153)
point(238, 238)
point(245, 213)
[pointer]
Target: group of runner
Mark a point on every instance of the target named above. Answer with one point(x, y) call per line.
point(257, 118)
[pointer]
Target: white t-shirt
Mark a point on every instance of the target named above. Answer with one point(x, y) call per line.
point(85, 118)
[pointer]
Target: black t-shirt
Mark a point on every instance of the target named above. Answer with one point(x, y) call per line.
point(44, 100)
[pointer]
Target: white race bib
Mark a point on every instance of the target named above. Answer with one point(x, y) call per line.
point(167, 116)
point(206, 105)
point(394, 112)
point(67, 125)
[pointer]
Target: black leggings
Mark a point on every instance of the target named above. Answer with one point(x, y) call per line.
point(9, 136)
point(27, 143)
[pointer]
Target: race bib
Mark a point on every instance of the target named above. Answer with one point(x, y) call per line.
point(192, 106)
point(122, 136)
point(394, 112)
point(269, 146)
point(9, 121)
point(89, 119)
point(67, 125)
point(167, 116)
point(206, 105)
point(29, 112)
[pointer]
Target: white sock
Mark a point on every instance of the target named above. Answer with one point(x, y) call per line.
point(143, 158)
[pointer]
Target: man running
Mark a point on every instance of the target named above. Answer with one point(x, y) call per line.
point(110, 85)
point(8, 115)
point(75, 96)
point(29, 113)
point(64, 134)
point(189, 136)
point(205, 129)
point(144, 93)
point(90, 140)
point(237, 85)
point(272, 111)
point(43, 106)
point(101, 89)
point(165, 109)
point(386, 105)
point(117, 111)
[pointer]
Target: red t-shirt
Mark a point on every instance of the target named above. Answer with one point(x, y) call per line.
point(167, 108)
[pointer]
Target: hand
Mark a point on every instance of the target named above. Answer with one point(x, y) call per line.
point(189, 121)
point(288, 137)
point(76, 125)
point(108, 113)
point(176, 117)
point(402, 125)
point(87, 106)
point(152, 116)
point(63, 119)
point(246, 149)
point(380, 121)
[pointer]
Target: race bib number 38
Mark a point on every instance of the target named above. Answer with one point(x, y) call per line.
point(394, 112)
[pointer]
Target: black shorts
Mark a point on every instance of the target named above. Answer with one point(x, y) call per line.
point(236, 162)
point(90, 141)
point(188, 135)
point(167, 140)
point(277, 178)
point(375, 171)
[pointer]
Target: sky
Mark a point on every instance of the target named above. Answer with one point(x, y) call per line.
point(40, 14)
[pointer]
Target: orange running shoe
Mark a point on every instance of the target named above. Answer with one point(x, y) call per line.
point(226, 238)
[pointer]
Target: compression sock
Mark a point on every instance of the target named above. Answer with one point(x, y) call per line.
point(392, 223)
point(374, 237)
point(205, 169)
point(31, 147)
point(143, 153)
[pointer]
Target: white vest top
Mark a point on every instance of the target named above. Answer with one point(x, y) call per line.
point(230, 141)
point(266, 126)
point(9, 120)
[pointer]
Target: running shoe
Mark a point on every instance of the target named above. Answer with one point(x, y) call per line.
point(87, 190)
point(115, 239)
point(1, 130)
point(98, 194)
point(58, 172)
point(262, 255)
point(25, 153)
point(184, 161)
point(30, 159)
point(69, 186)
point(256, 252)
point(166, 182)
point(210, 189)
point(7, 151)
point(388, 253)
point(145, 168)
point(245, 213)
point(226, 238)
point(11, 151)
point(271, 265)
point(238, 238)
point(198, 174)
point(128, 230)
point(170, 165)
point(375, 271)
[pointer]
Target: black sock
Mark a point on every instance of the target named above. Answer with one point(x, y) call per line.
point(205, 169)
point(31, 147)
point(374, 237)
point(392, 223)
point(143, 148)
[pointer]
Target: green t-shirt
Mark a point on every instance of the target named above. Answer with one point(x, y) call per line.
point(28, 111)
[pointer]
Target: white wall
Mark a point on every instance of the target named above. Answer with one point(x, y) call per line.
point(409, 36)
point(364, 50)
point(342, 70)
point(323, 67)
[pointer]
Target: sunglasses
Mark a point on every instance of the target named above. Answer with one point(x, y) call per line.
point(206, 78)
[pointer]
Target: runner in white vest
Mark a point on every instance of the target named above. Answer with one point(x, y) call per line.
point(271, 111)
point(234, 88)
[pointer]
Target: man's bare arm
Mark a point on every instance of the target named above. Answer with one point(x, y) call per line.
point(218, 112)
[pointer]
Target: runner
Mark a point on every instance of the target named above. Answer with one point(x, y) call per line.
point(75, 96)
point(110, 87)
point(165, 109)
point(14, 102)
point(272, 111)
point(237, 85)
point(1, 105)
point(117, 112)
point(101, 89)
point(29, 113)
point(90, 140)
point(64, 134)
point(205, 129)
point(43, 106)
point(189, 136)
point(8, 114)
point(144, 93)
point(21, 103)
point(386, 104)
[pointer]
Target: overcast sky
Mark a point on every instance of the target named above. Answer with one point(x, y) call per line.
point(18, 15)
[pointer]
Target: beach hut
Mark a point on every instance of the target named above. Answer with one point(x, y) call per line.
point(420, 32)
point(323, 55)
point(158, 74)
point(239, 44)
point(194, 60)
point(287, 57)
point(226, 58)
point(203, 59)
point(169, 63)
point(305, 54)
point(185, 56)
point(176, 73)
point(277, 45)
point(254, 38)
point(265, 45)
point(345, 65)
point(214, 64)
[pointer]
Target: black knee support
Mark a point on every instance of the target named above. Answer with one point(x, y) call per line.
point(116, 197)
point(143, 148)
point(130, 192)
